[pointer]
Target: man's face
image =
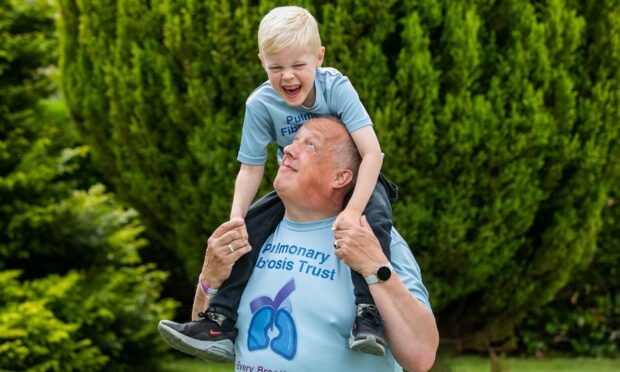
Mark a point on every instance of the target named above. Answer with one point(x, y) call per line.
point(306, 168)
point(291, 72)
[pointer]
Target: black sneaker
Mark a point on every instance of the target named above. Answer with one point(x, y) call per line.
point(367, 332)
point(211, 338)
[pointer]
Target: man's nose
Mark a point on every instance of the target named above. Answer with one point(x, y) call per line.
point(289, 150)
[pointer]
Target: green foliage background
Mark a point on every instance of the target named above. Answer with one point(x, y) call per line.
point(584, 318)
point(75, 295)
point(498, 119)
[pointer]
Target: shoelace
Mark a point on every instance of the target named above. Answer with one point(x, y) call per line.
point(212, 316)
point(203, 314)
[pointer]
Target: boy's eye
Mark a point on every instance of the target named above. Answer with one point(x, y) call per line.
point(299, 65)
point(275, 69)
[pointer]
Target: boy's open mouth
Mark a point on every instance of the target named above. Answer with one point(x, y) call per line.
point(291, 91)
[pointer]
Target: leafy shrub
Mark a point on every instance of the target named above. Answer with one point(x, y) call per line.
point(32, 337)
point(104, 308)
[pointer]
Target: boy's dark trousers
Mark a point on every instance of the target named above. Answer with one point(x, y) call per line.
point(262, 220)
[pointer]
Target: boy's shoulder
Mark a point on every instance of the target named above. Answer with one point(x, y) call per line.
point(261, 93)
point(330, 79)
point(329, 73)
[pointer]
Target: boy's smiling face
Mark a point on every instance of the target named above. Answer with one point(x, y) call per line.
point(291, 72)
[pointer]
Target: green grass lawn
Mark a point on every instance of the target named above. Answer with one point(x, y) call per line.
point(197, 365)
point(478, 364)
point(459, 364)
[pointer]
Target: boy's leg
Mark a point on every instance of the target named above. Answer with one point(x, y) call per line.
point(261, 221)
point(367, 335)
point(212, 337)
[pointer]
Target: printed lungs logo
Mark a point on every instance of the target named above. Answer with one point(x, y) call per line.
point(267, 313)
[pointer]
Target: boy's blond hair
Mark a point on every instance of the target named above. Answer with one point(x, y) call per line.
point(288, 26)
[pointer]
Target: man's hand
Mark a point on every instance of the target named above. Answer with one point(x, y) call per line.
point(227, 243)
point(359, 248)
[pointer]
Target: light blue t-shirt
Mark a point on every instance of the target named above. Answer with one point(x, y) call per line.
point(298, 307)
point(269, 119)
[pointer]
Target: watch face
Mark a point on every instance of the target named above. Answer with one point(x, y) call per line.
point(384, 273)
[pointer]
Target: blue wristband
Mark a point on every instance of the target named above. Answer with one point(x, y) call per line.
point(209, 292)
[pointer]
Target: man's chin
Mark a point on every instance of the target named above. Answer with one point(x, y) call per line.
point(278, 183)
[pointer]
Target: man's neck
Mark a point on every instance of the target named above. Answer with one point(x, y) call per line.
point(298, 213)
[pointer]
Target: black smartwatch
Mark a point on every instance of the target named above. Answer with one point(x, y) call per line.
point(382, 274)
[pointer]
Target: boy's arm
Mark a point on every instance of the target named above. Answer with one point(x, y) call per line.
point(246, 186)
point(368, 146)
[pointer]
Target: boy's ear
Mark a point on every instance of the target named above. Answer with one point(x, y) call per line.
point(343, 178)
point(319, 57)
point(260, 58)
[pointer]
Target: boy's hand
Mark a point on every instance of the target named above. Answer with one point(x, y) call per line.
point(242, 229)
point(346, 219)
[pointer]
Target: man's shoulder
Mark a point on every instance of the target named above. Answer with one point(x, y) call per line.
point(407, 268)
point(397, 239)
point(399, 249)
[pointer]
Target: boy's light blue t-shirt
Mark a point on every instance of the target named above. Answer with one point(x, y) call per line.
point(298, 307)
point(269, 119)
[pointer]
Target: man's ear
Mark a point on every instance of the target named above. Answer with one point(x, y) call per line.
point(343, 178)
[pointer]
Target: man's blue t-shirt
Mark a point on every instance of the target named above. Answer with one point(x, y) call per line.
point(269, 119)
point(298, 307)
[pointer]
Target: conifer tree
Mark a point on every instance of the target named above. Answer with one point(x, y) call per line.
point(498, 119)
point(71, 276)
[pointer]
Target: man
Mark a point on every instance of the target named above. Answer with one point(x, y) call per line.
point(297, 308)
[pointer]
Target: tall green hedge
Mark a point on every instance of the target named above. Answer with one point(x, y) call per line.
point(74, 293)
point(498, 120)
point(584, 318)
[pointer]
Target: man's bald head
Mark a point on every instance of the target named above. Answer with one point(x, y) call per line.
point(339, 143)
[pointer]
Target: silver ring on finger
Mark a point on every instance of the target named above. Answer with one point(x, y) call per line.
point(230, 248)
point(336, 244)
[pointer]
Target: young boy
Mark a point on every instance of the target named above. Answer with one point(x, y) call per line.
point(298, 89)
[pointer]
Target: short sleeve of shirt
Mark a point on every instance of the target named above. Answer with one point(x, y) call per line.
point(346, 103)
point(407, 269)
point(256, 135)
